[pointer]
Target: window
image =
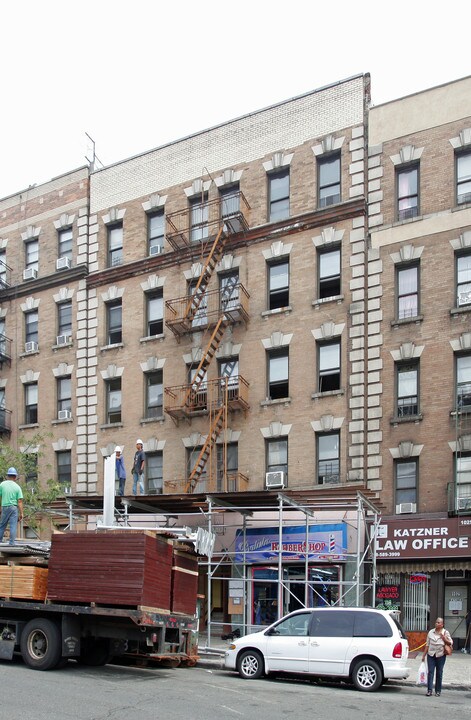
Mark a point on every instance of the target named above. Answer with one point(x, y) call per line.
point(154, 473)
point(155, 313)
point(192, 459)
point(463, 280)
point(65, 238)
point(329, 366)
point(371, 624)
point(463, 479)
point(64, 467)
point(155, 230)
point(31, 467)
point(113, 401)
point(295, 626)
point(278, 374)
point(407, 377)
point(278, 285)
point(199, 396)
point(3, 270)
point(154, 394)
point(277, 456)
point(463, 178)
point(114, 321)
point(332, 624)
point(230, 369)
point(32, 254)
point(329, 273)
point(406, 481)
point(229, 291)
point(201, 315)
point(407, 292)
point(328, 458)
point(463, 383)
point(199, 218)
point(64, 394)
point(230, 200)
point(64, 318)
point(278, 196)
point(328, 180)
point(228, 455)
point(31, 404)
point(31, 326)
point(407, 191)
point(115, 245)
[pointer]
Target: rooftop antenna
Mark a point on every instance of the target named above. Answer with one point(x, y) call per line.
point(93, 159)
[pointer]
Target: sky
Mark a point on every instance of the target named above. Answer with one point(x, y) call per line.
point(136, 75)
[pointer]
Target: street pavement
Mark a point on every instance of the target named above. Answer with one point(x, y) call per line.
point(456, 676)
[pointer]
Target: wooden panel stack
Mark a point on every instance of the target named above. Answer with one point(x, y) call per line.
point(23, 582)
point(184, 582)
point(111, 568)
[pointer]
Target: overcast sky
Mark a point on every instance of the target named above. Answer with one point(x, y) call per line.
point(135, 75)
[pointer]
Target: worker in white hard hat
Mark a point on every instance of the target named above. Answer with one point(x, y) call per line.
point(12, 504)
point(120, 470)
point(138, 468)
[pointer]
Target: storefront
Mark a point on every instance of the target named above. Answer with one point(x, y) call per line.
point(424, 570)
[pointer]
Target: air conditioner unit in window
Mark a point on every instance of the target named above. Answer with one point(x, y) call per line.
point(329, 479)
point(406, 508)
point(31, 347)
point(274, 479)
point(63, 339)
point(64, 415)
point(464, 298)
point(30, 273)
point(62, 263)
point(156, 250)
point(463, 503)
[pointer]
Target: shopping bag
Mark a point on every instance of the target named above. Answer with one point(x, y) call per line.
point(422, 674)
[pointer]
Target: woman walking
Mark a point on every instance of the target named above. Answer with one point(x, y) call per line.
point(437, 639)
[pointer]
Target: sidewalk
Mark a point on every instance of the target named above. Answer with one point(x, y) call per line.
point(456, 676)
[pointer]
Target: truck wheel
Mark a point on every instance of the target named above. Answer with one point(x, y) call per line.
point(95, 653)
point(41, 644)
point(250, 664)
point(367, 675)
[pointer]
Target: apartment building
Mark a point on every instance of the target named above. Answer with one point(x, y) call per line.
point(43, 266)
point(419, 346)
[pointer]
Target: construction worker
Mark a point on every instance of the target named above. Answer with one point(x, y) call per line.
point(12, 504)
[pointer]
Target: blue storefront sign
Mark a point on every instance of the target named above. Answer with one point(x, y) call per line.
point(325, 543)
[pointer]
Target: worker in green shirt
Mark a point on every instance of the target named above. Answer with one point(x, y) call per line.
point(12, 504)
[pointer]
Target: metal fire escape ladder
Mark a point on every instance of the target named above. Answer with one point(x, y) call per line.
point(205, 361)
point(214, 256)
point(215, 429)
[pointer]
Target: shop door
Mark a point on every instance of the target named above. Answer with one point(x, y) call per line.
point(456, 609)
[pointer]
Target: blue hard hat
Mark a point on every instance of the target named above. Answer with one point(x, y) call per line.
point(12, 471)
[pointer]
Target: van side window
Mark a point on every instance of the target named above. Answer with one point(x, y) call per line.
point(294, 626)
point(334, 623)
point(371, 624)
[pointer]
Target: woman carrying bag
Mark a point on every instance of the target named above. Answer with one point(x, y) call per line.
point(439, 645)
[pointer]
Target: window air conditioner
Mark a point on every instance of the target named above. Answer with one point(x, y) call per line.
point(156, 250)
point(31, 347)
point(30, 273)
point(64, 415)
point(63, 339)
point(62, 263)
point(463, 503)
point(274, 480)
point(406, 508)
point(464, 298)
point(329, 479)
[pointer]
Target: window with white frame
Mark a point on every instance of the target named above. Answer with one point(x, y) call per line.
point(155, 230)
point(463, 383)
point(201, 315)
point(3, 269)
point(229, 290)
point(328, 263)
point(31, 326)
point(154, 475)
point(230, 200)
point(328, 180)
point(463, 177)
point(31, 467)
point(277, 456)
point(407, 283)
point(278, 195)
point(328, 354)
point(155, 313)
point(278, 365)
point(463, 279)
point(64, 468)
point(114, 318)
point(64, 395)
point(192, 458)
point(406, 475)
point(407, 192)
point(154, 394)
point(228, 461)
point(65, 239)
point(31, 403)
point(113, 401)
point(64, 318)
point(328, 458)
point(463, 480)
point(407, 383)
point(32, 255)
point(278, 285)
point(115, 244)
point(199, 229)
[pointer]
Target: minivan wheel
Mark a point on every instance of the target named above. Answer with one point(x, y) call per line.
point(367, 675)
point(250, 664)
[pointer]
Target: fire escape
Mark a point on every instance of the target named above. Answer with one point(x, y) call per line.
point(211, 312)
point(5, 355)
point(459, 490)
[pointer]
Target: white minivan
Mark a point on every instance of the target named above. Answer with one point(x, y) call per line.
point(364, 645)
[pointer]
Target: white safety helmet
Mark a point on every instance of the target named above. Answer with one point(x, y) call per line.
point(139, 442)
point(117, 449)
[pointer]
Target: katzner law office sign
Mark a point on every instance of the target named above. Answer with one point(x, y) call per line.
point(425, 538)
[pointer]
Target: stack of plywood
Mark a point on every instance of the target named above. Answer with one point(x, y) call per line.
point(184, 582)
point(111, 568)
point(23, 582)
